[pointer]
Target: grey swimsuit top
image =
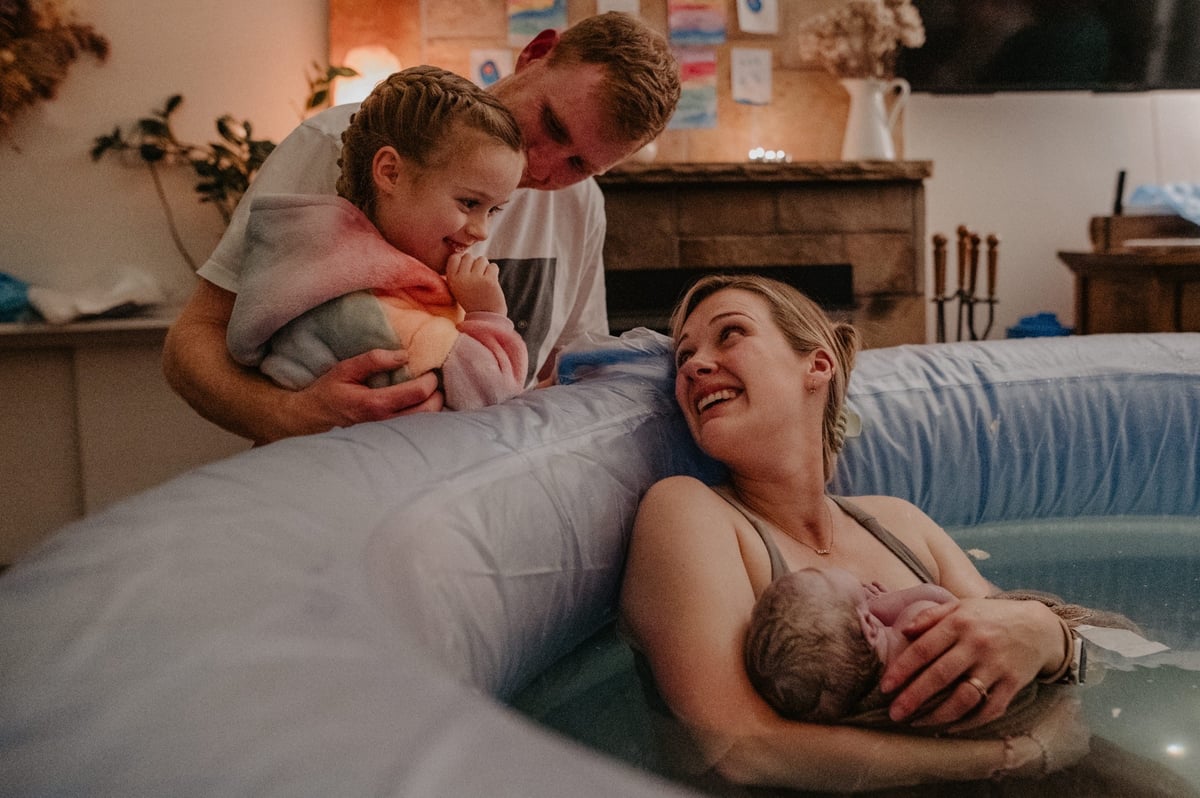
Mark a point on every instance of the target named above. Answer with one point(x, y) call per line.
point(864, 519)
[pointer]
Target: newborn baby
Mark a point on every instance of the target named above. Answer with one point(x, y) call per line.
point(819, 639)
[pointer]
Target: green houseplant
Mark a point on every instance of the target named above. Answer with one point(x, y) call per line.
point(223, 168)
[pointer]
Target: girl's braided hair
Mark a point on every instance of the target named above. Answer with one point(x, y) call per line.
point(416, 111)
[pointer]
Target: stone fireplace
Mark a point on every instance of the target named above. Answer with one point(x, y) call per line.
point(857, 227)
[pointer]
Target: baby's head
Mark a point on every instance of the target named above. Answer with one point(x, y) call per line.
point(805, 649)
point(425, 114)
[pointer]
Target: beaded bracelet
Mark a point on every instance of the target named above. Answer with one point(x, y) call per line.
point(1009, 766)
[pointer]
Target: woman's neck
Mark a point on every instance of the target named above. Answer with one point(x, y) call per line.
point(796, 505)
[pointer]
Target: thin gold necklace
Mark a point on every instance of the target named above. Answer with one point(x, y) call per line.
point(826, 551)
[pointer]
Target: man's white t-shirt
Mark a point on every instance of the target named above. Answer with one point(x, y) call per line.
point(548, 244)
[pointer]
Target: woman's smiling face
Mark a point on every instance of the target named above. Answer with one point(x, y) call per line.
point(731, 357)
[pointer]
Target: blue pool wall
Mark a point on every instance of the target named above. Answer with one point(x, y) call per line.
point(338, 614)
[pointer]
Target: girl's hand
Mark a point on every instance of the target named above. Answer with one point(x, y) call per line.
point(475, 283)
point(984, 650)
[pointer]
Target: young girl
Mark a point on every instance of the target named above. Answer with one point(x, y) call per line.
point(428, 159)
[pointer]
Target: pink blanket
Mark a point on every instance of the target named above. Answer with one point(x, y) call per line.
point(320, 284)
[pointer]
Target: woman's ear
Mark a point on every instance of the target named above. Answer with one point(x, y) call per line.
point(539, 48)
point(821, 365)
point(387, 168)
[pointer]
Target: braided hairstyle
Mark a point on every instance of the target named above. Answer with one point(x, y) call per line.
point(806, 327)
point(417, 111)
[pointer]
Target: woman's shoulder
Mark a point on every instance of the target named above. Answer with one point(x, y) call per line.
point(885, 508)
point(676, 486)
point(683, 496)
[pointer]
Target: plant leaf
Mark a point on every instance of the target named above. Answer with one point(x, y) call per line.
point(151, 153)
point(155, 128)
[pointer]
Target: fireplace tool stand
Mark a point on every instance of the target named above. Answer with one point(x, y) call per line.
point(967, 295)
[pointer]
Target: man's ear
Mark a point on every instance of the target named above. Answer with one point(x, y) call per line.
point(387, 167)
point(539, 48)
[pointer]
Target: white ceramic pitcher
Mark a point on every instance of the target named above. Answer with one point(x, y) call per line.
point(869, 125)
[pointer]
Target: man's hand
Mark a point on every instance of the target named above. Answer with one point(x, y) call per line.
point(198, 367)
point(475, 283)
point(341, 397)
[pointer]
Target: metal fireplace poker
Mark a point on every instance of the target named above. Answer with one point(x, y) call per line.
point(968, 283)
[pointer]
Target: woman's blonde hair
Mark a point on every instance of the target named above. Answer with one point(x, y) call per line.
point(417, 111)
point(642, 87)
point(806, 327)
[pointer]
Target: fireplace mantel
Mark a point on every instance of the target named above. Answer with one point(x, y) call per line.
point(720, 216)
point(759, 172)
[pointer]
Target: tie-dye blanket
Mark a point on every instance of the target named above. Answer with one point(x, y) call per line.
point(320, 285)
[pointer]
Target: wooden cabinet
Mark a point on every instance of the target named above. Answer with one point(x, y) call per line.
point(1119, 292)
point(1143, 275)
point(88, 419)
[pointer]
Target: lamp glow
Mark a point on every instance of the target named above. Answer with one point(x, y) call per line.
point(373, 63)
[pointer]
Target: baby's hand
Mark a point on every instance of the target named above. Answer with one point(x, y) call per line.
point(475, 283)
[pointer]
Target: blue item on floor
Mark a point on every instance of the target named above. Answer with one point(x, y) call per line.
point(1039, 325)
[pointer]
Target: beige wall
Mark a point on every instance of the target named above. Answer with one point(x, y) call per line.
point(805, 118)
point(1032, 168)
point(67, 220)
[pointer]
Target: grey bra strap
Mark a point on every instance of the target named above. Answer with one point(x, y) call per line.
point(893, 543)
point(779, 566)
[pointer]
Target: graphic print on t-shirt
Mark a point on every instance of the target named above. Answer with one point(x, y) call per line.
point(528, 285)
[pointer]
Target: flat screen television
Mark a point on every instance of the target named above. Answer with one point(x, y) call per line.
point(983, 46)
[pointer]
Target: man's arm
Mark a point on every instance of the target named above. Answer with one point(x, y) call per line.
point(198, 367)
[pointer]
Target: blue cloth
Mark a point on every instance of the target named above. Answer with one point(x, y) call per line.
point(1180, 198)
point(14, 299)
point(1039, 325)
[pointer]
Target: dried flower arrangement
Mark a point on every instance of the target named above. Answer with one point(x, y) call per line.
point(37, 45)
point(861, 39)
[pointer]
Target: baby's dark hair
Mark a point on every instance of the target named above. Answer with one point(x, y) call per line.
point(416, 111)
point(806, 655)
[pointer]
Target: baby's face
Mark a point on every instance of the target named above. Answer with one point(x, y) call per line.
point(884, 638)
point(840, 584)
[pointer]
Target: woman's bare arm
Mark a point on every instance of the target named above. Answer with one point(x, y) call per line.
point(686, 600)
point(1005, 645)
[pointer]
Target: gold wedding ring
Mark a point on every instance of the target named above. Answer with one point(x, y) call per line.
point(975, 682)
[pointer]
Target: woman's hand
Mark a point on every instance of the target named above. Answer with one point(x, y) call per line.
point(983, 650)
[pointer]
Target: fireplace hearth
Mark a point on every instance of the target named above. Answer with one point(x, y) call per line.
point(645, 297)
point(849, 233)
